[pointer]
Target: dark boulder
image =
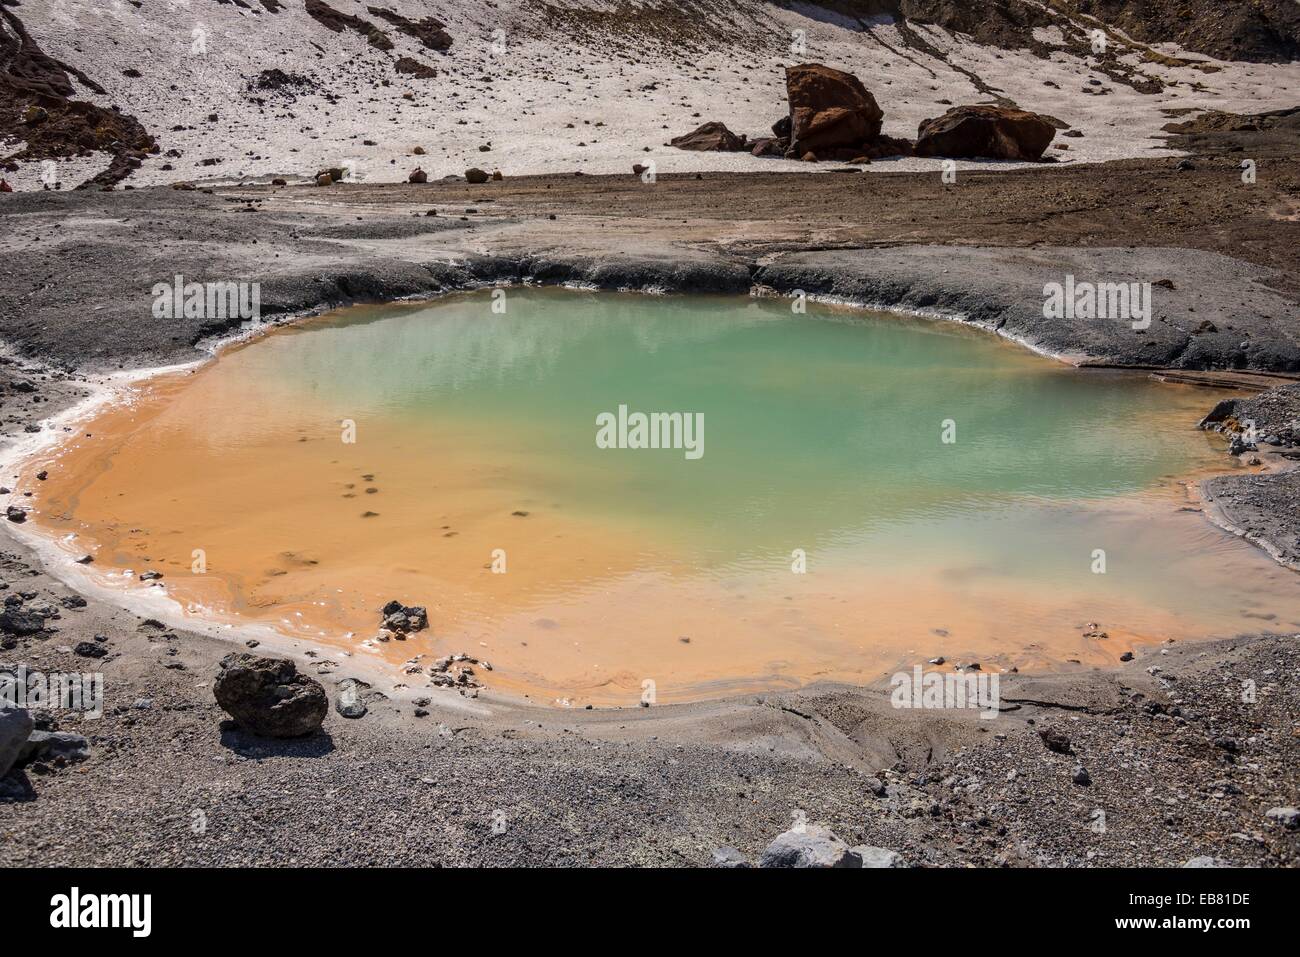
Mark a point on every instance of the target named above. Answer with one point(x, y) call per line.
point(711, 137)
point(268, 696)
point(994, 132)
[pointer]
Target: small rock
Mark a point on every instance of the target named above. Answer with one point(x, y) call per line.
point(1055, 740)
point(349, 704)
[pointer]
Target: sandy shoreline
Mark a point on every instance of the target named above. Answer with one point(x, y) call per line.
point(937, 787)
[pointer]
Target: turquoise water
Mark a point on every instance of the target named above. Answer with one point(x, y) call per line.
point(820, 428)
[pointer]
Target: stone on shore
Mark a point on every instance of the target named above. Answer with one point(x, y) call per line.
point(402, 619)
point(475, 175)
point(268, 696)
point(349, 703)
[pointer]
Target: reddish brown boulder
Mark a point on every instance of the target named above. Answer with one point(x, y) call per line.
point(767, 146)
point(418, 176)
point(711, 137)
point(996, 132)
point(829, 109)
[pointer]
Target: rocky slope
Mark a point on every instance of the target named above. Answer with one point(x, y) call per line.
point(233, 90)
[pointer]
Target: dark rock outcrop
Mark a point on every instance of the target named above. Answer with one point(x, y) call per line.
point(430, 31)
point(268, 696)
point(995, 132)
point(412, 67)
point(37, 109)
point(338, 21)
